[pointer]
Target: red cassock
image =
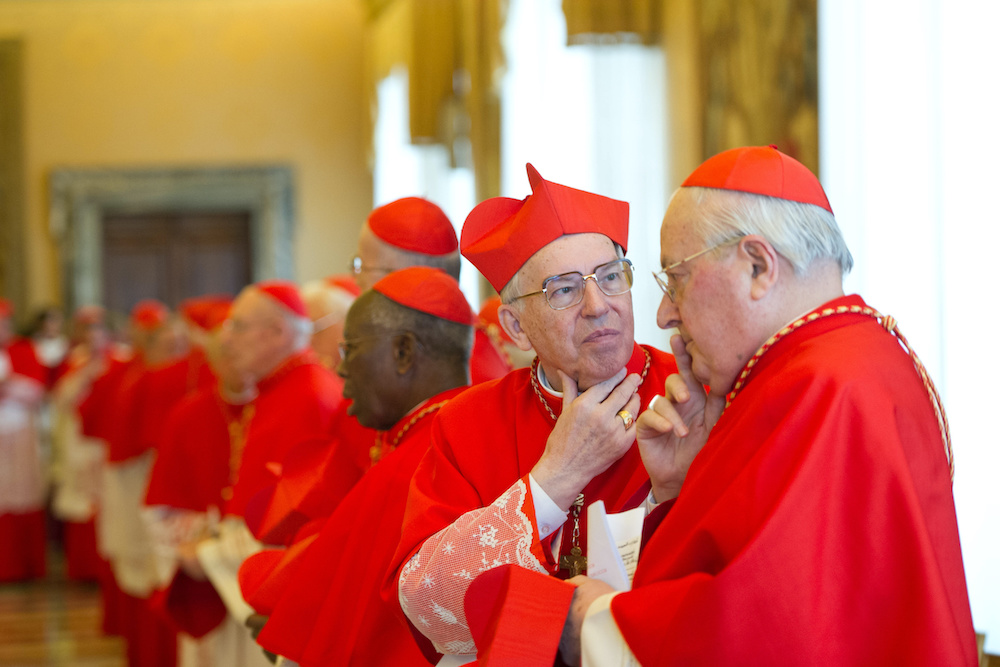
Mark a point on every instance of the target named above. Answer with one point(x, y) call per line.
point(99, 417)
point(196, 469)
point(96, 410)
point(483, 443)
point(191, 470)
point(331, 611)
point(817, 525)
point(146, 403)
point(22, 532)
point(24, 361)
point(314, 478)
point(124, 419)
point(192, 464)
point(296, 403)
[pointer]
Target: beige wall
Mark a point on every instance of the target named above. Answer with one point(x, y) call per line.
point(165, 83)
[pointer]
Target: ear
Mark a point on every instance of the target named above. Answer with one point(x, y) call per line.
point(510, 320)
point(763, 264)
point(404, 352)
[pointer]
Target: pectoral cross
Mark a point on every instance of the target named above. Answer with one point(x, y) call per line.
point(575, 562)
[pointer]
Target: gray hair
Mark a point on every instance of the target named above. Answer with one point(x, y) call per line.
point(439, 338)
point(333, 303)
point(450, 263)
point(801, 233)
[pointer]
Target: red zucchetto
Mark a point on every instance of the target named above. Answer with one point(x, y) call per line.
point(345, 282)
point(149, 314)
point(761, 170)
point(414, 224)
point(501, 234)
point(206, 312)
point(286, 293)
point(489, 318)
point(427, 290)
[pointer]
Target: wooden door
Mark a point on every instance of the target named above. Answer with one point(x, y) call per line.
point(173, 256)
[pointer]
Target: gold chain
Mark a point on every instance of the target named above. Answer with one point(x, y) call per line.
point(889, 324)
point(237, 441)
point(545, 404)
point(379, 449)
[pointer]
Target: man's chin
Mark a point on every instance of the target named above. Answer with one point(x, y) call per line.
point(600, 372)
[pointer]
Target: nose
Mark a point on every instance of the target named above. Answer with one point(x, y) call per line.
point(667, 315)
point(595, 302)
point(340, 369)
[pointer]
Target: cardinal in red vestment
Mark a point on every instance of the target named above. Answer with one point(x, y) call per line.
point(294, 399)
point(406, 352)
point(515, 463)
point(22, 479)
point(79, 459)
point(805, 512)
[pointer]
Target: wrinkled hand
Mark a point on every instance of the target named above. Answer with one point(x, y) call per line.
point(587, 590)
point(675, 427)
point(588, 436)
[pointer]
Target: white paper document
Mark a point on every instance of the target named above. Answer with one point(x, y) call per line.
point(613, 542)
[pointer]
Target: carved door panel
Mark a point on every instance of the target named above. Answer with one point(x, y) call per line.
point(173, 256)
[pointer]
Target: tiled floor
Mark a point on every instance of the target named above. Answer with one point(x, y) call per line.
point(54, 623)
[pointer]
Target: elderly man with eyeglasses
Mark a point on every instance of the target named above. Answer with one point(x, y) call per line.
point(515, 463)
point(816, 523)
point(411, 231)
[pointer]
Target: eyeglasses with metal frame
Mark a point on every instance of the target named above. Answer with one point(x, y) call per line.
point(662, 277)
point(565, 290)
point(357, 267)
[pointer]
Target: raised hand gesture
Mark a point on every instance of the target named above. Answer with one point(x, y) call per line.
point(588, 436)
point(676, 425)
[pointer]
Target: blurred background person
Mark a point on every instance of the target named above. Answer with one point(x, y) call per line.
point(78, 459)
point(22, 477)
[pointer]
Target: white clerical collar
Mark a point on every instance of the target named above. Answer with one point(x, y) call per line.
point(544, 382)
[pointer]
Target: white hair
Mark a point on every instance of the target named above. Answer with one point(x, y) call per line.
point(333, 303)
point(801, 233)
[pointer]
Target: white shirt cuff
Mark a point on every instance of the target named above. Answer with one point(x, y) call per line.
point(549, 516)
point(651, 503)
point(601, 643)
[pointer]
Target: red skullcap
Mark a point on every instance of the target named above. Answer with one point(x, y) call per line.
point(215, 314)
point(501, 234)
point(149, 314)
point(489, 319)
point(345, 282)
point(762, 170)
point(206, 312)
point(286, 293)
point(6, 308)
point(428, 290)
point(414, 224)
